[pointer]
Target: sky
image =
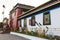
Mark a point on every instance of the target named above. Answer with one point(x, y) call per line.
point(9, 4)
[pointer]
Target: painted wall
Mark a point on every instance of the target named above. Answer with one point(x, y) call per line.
point(55, 23)
point(54, 28)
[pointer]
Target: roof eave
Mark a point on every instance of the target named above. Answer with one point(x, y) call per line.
point(38, 9)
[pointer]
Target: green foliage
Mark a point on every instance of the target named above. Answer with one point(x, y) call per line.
point(33, 33)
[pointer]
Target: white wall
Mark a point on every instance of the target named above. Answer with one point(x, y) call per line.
point(55, 18)
point(29, 26)
point(55, 22)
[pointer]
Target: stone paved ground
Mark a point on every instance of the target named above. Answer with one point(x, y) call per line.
point(11, 37)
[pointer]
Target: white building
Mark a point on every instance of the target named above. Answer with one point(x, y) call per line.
point(43, 17)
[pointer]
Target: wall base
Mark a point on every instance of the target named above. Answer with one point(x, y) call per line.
point(27, 36)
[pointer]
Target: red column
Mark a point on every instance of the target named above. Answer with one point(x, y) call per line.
point(18, 12)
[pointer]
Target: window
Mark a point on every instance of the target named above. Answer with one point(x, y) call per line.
point(46, 18)
point(32, 21)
